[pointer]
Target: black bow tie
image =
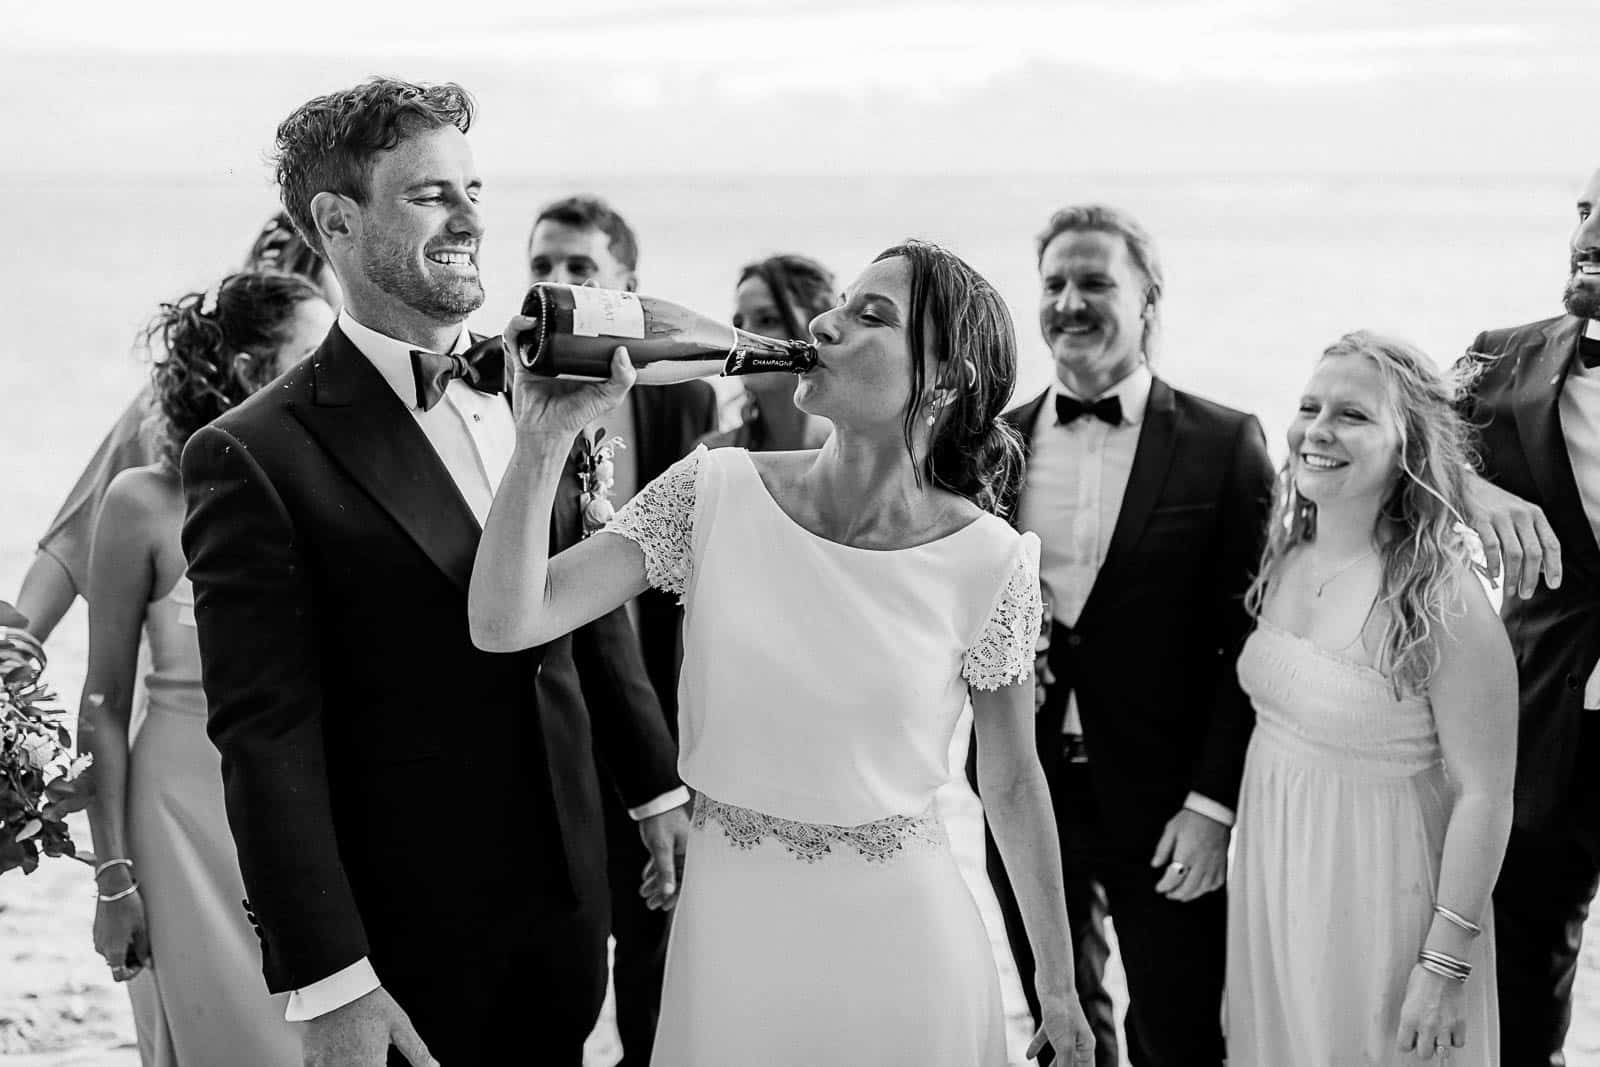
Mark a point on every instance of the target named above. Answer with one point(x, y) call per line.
point(482, 366)
point(1589, 352)
point(1107, 409)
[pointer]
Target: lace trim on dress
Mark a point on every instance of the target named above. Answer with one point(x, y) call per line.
point(877, 841)
point(1005, 650)
point(660, 520)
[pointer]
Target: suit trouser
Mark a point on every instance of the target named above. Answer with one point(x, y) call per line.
point(539, 987)
point(639, 962)
point(1173, 953)
point(1546, 885)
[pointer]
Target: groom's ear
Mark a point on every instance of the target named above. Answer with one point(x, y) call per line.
point(335, 218)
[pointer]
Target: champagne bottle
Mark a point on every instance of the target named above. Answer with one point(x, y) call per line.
point(578, 327)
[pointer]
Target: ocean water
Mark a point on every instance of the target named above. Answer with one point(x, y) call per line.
point(1262, 272)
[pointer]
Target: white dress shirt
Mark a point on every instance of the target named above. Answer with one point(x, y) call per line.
point(1076, 477)
point(474, 435)
point(1580, 425)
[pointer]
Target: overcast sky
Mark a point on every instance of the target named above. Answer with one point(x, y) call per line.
point(875, 86)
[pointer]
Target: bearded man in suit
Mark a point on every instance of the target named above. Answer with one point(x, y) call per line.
point(1534, 400)
point(418, 821)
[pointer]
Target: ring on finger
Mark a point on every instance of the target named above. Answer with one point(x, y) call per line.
point(1179, 869)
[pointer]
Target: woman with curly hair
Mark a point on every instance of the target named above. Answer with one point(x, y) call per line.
point(59, 573)
point(168, 880)
point(1376, 800)
point(841, 605)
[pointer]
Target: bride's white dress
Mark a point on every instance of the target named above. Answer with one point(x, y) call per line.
point(822, 918)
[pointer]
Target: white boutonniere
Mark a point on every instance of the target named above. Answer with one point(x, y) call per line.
point(597, 473)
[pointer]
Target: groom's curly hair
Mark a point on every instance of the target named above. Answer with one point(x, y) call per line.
point(329, 144)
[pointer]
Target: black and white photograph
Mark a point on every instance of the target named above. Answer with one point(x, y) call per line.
point(745, 533)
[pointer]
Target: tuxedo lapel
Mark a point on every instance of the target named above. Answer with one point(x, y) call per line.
point(1152, 459)
point(356, 417)
point(1541, 373)
point(1022, 420)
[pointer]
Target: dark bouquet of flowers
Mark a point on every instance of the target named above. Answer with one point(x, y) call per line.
point(39, 774)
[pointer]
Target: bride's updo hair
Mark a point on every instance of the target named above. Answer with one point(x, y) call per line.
point(958, 319)
point(210, 350)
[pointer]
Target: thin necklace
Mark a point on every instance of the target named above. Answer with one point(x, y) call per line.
point(1341, 571)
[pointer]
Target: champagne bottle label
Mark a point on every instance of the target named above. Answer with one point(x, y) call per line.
point(606, 313)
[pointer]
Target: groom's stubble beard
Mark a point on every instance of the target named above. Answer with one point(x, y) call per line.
point(1581, 301)
point(391, 267)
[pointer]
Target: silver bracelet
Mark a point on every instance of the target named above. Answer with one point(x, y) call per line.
point(108, 864)
point(107, 898)
point(1456, 919)
point(1445, 966)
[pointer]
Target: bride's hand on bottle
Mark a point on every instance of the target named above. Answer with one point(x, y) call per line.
point(552, 407)
point(1066, 1030)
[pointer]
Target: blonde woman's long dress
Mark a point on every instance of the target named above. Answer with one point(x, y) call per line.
point(1342, 816)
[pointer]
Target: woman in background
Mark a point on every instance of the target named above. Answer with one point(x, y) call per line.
point(168, 882)
point(1376, 800)
point(60, 569)
point(778, 297)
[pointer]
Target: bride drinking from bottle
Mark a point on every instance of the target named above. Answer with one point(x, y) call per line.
point(861, 591)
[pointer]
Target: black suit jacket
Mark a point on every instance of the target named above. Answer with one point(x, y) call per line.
point(668, 420)
point(1152, 655)
point(1513, 406)
point(393, 791)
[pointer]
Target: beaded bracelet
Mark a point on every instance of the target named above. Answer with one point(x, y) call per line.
point(1456, 919)
point(108, 864)
point(1457, 970)
point(107, 898)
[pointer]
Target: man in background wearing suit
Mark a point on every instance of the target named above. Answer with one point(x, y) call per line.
point(1535, 403)
point(581, 240)
point(1150, 504)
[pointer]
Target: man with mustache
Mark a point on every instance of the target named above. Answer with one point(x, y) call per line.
point(1535, 401)
point(1150, 504)
point(582, 240)
point(418, 821)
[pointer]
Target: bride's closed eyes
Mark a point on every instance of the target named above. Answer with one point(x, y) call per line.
point(871, 309)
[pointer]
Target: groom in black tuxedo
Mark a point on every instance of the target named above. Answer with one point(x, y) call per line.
point(418, 822)
point(1150, 505)
point(1536, 407)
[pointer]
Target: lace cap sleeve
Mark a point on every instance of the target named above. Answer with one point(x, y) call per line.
point(660, 520)
point(1004, 652)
